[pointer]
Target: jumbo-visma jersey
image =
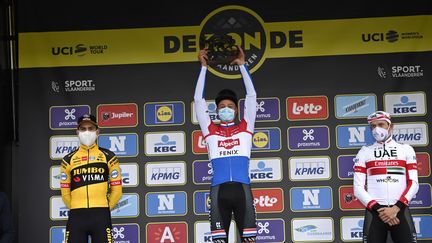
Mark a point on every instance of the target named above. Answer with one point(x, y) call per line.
point(85, 174)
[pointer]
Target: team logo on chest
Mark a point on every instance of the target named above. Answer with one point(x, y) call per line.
point(228, 143)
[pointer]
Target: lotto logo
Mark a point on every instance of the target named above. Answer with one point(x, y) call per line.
point(268, 200)
point(199, 145)
point(307, 108)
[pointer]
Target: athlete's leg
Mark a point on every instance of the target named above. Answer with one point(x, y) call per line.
point(244, 213)
point(220, 215)
point(100, 219)
point(76, 231)
point(374, 229)
point(405, 231)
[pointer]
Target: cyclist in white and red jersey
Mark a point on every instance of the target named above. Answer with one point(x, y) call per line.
point(385, 180)
point(229, 147)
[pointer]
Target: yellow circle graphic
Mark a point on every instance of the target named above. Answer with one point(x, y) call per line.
point(260, 140)
point(164, 113)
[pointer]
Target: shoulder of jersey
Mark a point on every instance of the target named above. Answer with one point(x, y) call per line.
point(69, 156)
point(108, 153)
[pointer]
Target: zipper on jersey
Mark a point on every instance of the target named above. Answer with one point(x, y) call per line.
point(88, 160)
point(230, 165)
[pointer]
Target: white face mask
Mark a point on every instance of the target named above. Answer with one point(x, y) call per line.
point(87, 138)
point(226, 114)
point(380, 134)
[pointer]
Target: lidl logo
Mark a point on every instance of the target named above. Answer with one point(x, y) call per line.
point(268, 200)
point(166, 204)
point(308, 138)
point(127, 206)
point(355, 106)
point(267, 109)
point(405, 104)
point(353, 136)
point(211, 108)
point(266, 139)
point(60, 146)
point(117, 115)
point(164, 113)
point(305, 199)
point(347, 200)
point(66, 117)
point(309, 168)
point(166, 143)
point(307, 108)
point(415, 134)
point(122, 144)
point(202, 202)
point(165, 173)
point(175, 232)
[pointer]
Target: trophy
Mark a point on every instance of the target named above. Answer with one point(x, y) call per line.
point(222, 48)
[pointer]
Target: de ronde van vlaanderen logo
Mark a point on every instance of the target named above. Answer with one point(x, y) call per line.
point(247, 29)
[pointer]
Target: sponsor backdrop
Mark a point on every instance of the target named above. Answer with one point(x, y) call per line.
point(316, 80)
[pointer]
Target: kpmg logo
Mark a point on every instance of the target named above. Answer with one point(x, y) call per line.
point(270, 230)
point(355, 106)
point(199, 145)
point(308, 138)
point(211, 108)
point(66, 117)
point(345, 164)
point(422, 225)
point(201, 202)
point(202, 172)
point(167, 143)
point(55, 177)
point(267, 109)
point(58, 210)
point(423, 197)
point(125, 233)
point(266, 139)
point(309, 168)
point(166, 204)
point(165, 173)
point(203, 233)
point(304, 199)
point(307, 108)
point(129, 174)
point(117, 115)
point(122, 144)
point(353, 136)
point(265, 170)
point(405, 104)
point(128, 206)
point(175, 232)
point(164, 113)
point(312, 229)
point(60, 146)
point(411, 133)
point(352, 228)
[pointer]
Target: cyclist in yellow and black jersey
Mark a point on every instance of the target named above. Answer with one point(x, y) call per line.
point(91, 186)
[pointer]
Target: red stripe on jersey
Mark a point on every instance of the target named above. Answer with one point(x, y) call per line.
point(411, 166)
point(115, 183)
point(402, 198)
point(378, 171)
point(371, 204)
point(383, 163)
point(360, 169)
point(64, 185)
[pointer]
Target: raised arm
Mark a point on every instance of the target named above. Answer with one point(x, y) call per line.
point(199, 101)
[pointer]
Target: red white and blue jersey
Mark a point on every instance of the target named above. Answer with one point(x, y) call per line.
point(228, 144)
point(385, 173)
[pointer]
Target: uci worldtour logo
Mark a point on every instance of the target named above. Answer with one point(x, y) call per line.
point(79, 50)
point(247, 29)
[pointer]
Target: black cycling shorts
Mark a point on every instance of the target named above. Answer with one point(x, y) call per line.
point(84, 222)
point(375, 230)
point(229, 198)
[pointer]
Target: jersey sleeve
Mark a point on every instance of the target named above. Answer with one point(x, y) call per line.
point(65, 179)
point(412, 176)
point(200, 104)
point(360, 180)
point(115, 181)
point(250, 100)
